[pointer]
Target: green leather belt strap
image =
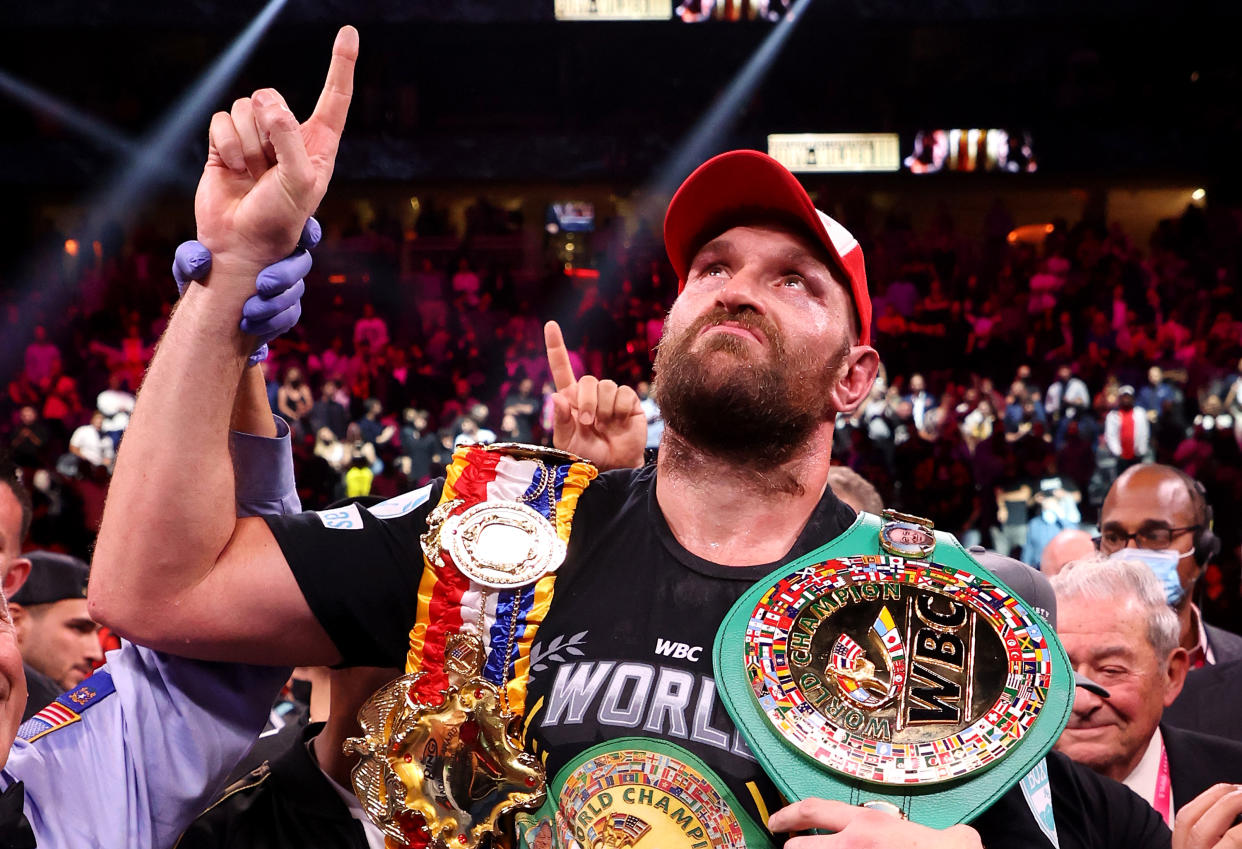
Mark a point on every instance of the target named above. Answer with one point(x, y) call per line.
point(971, 690)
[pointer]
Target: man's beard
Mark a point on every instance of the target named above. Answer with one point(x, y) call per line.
point(756, 412)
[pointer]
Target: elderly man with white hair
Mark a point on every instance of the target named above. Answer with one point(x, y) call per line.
point(1119, 631)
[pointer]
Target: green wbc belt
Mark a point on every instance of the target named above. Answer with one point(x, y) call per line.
point(890, 669)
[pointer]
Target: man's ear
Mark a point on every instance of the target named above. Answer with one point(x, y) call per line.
point(19, 571)
point(862, 363)
point(1175, 674)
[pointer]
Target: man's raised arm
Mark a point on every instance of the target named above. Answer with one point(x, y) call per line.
point(173, 567)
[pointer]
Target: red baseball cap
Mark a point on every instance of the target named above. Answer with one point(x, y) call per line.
point(744, 180)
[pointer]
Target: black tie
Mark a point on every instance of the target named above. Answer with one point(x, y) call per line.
point(15, 830)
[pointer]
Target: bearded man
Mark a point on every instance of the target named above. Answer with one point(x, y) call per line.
point(767, 341)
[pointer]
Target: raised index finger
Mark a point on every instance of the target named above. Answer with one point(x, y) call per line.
point(338, 88)
point(558, 356)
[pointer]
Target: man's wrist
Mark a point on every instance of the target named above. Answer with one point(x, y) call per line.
point(213, 310)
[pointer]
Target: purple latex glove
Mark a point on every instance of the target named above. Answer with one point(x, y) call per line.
point(277, 306)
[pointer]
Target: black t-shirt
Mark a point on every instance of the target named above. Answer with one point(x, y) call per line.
point(626, 647)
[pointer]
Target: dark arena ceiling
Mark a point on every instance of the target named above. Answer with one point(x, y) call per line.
point(501, 90)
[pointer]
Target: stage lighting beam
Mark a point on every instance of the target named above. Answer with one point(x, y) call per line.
point(722, 115)
point(75, 119)
point(174, 130)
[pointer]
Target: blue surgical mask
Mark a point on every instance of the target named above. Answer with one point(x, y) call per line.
point(1163, 564)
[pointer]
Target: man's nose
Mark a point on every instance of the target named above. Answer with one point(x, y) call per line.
point(741, 292)
point(1085, 701)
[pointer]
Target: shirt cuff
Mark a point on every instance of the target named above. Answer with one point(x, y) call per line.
point(263, 472)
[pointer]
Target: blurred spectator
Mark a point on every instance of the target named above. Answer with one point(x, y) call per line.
point(91, 445)
point(470, 434)
point(373, 430)
point(359, 476)
point(372, 328)
point(294, 400)
point(41, 356)
point(63, 405)
point(978, 423)
point(1070, 544)
point(1065, 392)
point(851, 488)
point(1156, 393)
point(472, 428)
point(327, 412)
point(1127, 432)
point(331, 449)
point(116, 404)
point(466, 283)
point(524, 406)
point(418, 445)
point(1013, 496)
point(920, 400)
point(29, 444)
point(1055, 509)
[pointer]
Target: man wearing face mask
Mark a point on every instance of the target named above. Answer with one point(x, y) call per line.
point(1159, 515)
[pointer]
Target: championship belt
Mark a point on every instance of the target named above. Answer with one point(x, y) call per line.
point(889, 669)
point(443, 753)
point(643, 793)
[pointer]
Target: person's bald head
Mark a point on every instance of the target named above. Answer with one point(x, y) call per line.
point(855, 490)
point(1170, 485)
point(1069, 544)
point(1152, 497)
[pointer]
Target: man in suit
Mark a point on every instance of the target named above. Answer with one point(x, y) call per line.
point(1160, 516)
point(1118, 630)
point(1209, 701)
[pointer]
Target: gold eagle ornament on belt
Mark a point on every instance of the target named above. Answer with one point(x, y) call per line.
point(448, 770)
point(442, 756)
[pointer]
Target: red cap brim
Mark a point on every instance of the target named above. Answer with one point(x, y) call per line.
point(746, 180)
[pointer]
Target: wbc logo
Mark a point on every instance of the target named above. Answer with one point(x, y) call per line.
point(856, 675)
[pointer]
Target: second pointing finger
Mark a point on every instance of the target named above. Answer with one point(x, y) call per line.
point(588, 399)
point(226, 143)
point(251, 146)
point(607, 399)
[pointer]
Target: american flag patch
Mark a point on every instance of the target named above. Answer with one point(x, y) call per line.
point(67, 708)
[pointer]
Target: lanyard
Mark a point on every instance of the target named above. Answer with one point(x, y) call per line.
point(1163, 800)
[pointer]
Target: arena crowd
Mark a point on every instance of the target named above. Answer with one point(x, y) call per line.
point(1019, 379)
